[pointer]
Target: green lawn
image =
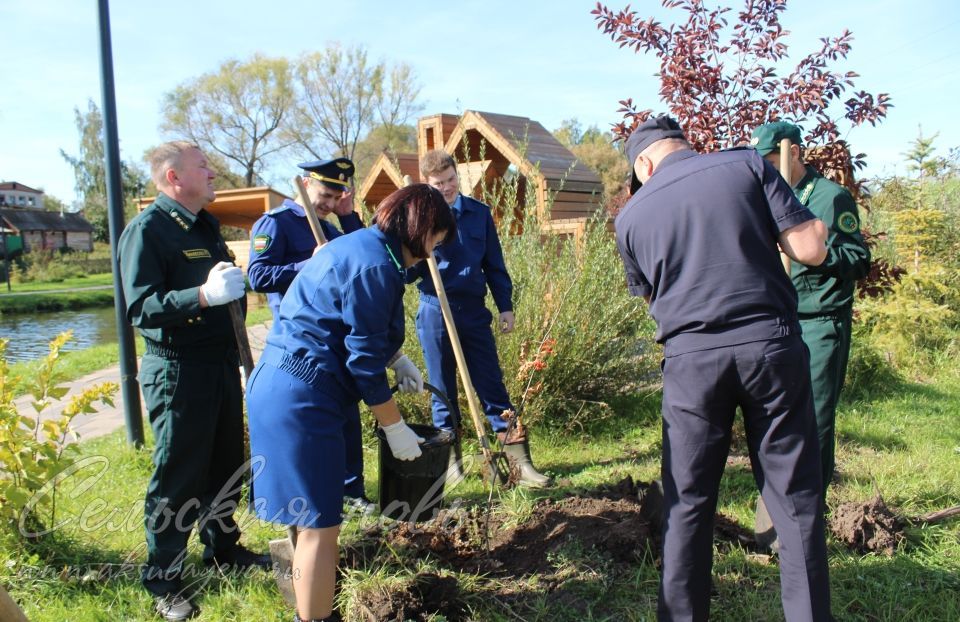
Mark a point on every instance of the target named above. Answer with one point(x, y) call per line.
point(92, 280)
point(904, 442)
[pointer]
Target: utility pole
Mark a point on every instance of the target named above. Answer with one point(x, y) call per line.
point(129, 390)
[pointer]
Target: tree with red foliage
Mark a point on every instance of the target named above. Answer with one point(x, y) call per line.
point(719, 91)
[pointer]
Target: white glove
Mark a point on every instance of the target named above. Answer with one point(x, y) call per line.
point(408, 376)
point(404, 442)
point(224, 283)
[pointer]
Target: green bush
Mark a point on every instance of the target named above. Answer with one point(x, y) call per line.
point(33, 451)
point(44, 265)
point(580, 339)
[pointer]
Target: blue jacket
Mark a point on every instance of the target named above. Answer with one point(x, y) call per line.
point(344, 312)
point(281, 242)
point(700, 239)
point(472, 261)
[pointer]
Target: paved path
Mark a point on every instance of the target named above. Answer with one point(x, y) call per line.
point(109, 418)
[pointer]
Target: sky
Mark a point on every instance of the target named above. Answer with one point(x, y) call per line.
point(542, 59)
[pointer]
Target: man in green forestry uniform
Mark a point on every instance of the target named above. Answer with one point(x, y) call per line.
point(824, 292)
point(177, 280)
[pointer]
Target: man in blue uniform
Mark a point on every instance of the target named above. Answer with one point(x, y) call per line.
point(468, 265)
point(281, 242)
point(699, 241)
point(177, 280)
point(825, 292)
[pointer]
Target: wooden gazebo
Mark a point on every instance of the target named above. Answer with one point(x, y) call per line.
point(490, 146)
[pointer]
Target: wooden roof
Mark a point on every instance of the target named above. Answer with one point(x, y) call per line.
point(486, 146)
point(239, 207)
point(39, 220)
point(387, 175)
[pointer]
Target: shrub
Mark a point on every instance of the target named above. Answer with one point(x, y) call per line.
point(33, 451)
point(580, 339)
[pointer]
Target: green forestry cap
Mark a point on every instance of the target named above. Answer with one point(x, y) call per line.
point(766, 138)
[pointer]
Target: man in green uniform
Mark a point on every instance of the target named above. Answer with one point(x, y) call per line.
point(177, 280)
point(824, 292)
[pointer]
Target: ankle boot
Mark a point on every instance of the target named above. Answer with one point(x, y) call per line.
point(518, 454)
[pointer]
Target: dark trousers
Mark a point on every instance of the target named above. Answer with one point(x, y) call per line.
point(770, 381)
point(828, 339)
point(480, 350)
point(196, 412)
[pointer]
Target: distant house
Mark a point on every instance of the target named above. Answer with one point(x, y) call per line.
point(13, 194)
point(40, 229)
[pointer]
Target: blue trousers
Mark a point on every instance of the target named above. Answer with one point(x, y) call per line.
point(770, 382)
point(472, 319)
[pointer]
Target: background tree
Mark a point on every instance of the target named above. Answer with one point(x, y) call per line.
point(921, 157)
point(90, 176)
point(236, 111)
point(343, 98)
point(720, 80)
point(383, 139)
point(595, 149)
point(53, 204)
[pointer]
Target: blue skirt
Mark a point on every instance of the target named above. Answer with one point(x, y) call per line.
point(297, 447)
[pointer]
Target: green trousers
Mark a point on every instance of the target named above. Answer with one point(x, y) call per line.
point(196, 412)
point(828, 339)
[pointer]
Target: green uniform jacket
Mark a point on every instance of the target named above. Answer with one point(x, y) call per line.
point(828, 288)
point(165, 255)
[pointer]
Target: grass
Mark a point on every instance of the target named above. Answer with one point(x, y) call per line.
point(904, 442)
point(92, 280)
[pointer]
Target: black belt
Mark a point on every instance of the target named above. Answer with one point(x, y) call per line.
point(211, 354)
point(836, 314)
point(456, 303)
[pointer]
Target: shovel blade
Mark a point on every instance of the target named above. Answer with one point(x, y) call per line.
point(281, 554)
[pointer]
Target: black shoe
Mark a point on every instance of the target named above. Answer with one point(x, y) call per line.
point(359, 505)
point(175, 607)
point(763, 531)
point(238, 557)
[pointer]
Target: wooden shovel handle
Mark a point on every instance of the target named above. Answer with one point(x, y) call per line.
point(785, 172)
point(308, 210)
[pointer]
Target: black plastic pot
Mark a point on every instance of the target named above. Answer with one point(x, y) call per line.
point(412, 490)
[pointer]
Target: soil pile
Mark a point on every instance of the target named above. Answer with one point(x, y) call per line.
point(869, 527)
point(614, 526)
point(426, 595)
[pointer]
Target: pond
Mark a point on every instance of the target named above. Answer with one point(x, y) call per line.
point(30, 333)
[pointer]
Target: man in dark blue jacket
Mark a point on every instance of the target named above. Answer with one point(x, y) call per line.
point(468, 265)
point(699, 242)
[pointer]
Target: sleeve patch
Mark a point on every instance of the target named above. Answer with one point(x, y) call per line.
point(847, 222)
point(261, 242)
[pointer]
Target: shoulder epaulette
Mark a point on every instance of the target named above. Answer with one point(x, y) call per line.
point(177, 218)
point(278, 209)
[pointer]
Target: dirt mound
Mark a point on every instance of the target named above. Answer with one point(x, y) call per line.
point(427, 595)
point(610, 521)
point(868, 527)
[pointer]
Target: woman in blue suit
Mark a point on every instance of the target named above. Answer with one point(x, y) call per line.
point(340, 322)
